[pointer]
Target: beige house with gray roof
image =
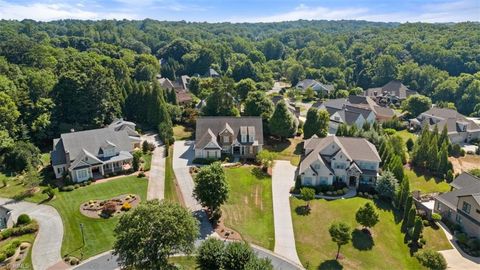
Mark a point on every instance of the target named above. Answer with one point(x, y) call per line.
point(459, 128)
point(353, 161)
point(237, 136)
point(462, 204)
point(94, 153)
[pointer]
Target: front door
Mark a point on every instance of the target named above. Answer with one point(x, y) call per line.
point(353, 181)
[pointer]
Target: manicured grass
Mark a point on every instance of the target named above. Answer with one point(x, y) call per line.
point(182, 133)
point(27, 263)
point(405, 134)
point(436, 238)
point(425, 183)
point(249, 209)
point(16, 190)
point(317, 251)
point(286, 150)
point(170, 189)
point(98, 232)
point(147, 161)
point(185, 262)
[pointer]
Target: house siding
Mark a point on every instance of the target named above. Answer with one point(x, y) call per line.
point(453, 216)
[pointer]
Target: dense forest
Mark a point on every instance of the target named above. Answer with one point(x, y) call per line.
point(55, 76)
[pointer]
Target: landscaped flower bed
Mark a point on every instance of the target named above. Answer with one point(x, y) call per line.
point(110, 207)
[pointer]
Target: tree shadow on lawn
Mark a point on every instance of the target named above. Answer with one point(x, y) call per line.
point(420, 172)
point(275, 145)
point(387, 206)
point(299, 149)
point(330, 265)
point(362, 240)
point(259, 173)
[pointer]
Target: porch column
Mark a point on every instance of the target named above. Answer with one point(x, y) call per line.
point(101, 170)
point(357, 182)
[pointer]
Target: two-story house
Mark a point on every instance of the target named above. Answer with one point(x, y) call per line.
point(462, 204)
point(237, 136)
point(353, 161)
point(460, 129)
point(93, 153)
point(392, 93)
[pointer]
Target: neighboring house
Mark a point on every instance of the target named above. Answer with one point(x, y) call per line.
point(180, 87)
point(324, 89)
point(212, 73)
point(97, 152)
point(382, 114)
point(295, 110)
point(460, 129)
point(353, 161)
point(462, 204)
point(343, 112)
point(6, 220)
point(392, 93)
point(237, 136)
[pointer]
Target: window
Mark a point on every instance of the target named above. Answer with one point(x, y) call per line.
point(244, 138)
point(458, 219)
point(226, 139)
point(466, 207)
point(439, 207)
point(251, 139)
point(323, 180)
point(307, 181)
point(82, 174)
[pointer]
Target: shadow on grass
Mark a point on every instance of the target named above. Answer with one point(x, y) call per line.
point(420, 172)
point(298, 149)
point(387, 206)
point(302, 210)
point(362, 240)
point(259, 173)
point(276, 145)
point(330, 265)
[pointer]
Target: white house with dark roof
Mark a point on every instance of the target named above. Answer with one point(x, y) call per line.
point(353, 161)
point(85, 154)
point(460, 129)
point(237, 136)
point(462, 204)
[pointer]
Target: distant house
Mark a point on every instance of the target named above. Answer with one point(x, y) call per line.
point(460, 129)
point(180, 87)
point(237, 136)
point(342, 111)
point(319, 87)
point(392, 93)
point(353, 161)
point(212, 73)
point(462, 204)
point(381, 113)
point(90, 153)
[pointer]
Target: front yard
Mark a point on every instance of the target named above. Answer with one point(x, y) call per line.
point(249, 209)
point(425, 183)
point(98, 232)
point(317, 251)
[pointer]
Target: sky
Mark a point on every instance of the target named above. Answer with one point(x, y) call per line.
point(244, 10)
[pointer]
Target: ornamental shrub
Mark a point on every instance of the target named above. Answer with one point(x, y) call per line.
point(431, 259)
point(126, 206)
point(23, 219)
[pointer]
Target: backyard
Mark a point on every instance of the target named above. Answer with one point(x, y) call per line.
point(286, 150)
point(182, 133)
point(425, 183)
point(98, 232)
point(317, 251)
point(249, 209)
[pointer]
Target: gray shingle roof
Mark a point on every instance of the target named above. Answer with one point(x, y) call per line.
point(57, 155)
point(465, 185)
point(92, 140)
point(393, 88)
point(216, 124)
point(447, 117)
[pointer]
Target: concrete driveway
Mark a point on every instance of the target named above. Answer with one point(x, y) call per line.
point(47, 245)
point(183, 155)
point(283, 179)
point(456, 258)
point(156, 178)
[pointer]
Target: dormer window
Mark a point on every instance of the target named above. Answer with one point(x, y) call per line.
point(243, 134)
point(226, 139)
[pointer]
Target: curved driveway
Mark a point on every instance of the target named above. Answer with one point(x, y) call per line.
point(47, 245)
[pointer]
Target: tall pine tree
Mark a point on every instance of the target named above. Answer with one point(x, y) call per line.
point(282, 122)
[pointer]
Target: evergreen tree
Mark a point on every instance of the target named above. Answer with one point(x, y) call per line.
point(282, 122)
point(444, 137)
point(432, 156)
point(407, 206)
point(443, 165)
point(410, 221)
point(396, 167)
point(316, 123)
point(417, 229)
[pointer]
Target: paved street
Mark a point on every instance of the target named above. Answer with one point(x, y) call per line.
point(46, 248)
point(282, 180)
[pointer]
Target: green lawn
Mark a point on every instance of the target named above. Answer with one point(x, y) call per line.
point(15, 189)
point(249, 209)
point(184, 262)
point(98, 232)
point(182, 133)
point(287, 150)
point(436, 238)
point(317, 251)
point(425, 183)
point(405, 134)
point(170, 190)
point(147, 161)
point(27, 263)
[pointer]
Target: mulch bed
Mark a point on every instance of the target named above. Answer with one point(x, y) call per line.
point(226, 233)
point(93, 208)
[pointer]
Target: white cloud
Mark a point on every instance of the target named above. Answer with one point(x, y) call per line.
point(48, 12)
point(450, 11)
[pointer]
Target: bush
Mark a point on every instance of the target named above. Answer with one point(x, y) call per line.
point(203, 161)
point(10, 251)
point(436, 217)
point(389, 131)
point(431, 259)
point(67, 188)
point(74, 261)
point(141, 174)
point(3, 257)
point(30, 228)
point(109, 208)
point(76, 186)
point(6, 233)
point(23, 219)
